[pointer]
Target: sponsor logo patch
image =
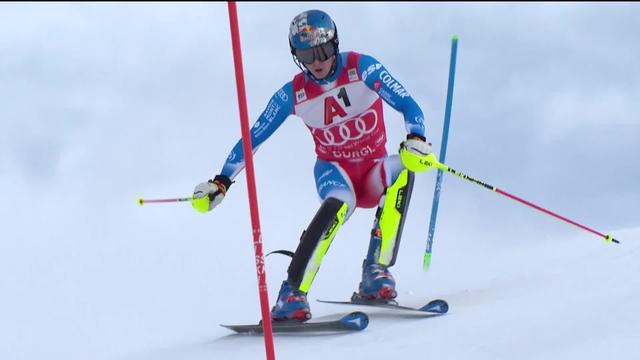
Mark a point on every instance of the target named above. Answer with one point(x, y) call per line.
point(353, 75)
point(370, 70)
point(301, 95)
point(393, 85)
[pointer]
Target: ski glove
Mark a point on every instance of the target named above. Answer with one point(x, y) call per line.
point(209, 194)
point(415, 153)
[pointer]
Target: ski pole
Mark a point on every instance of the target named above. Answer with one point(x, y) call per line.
point(435, 163)
point(426, 261)
point(142, 201)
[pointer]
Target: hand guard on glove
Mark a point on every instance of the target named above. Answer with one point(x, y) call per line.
point(415, 153)
point(209, 194)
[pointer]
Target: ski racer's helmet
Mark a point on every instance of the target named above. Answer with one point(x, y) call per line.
point(312, 35)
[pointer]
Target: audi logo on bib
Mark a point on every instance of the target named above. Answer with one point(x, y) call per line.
point(358, 137)
point(350, 130)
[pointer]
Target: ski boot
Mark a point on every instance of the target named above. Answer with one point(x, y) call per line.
point(377, 284)
point(291, 305)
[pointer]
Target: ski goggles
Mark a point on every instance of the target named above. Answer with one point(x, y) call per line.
point(321, 53)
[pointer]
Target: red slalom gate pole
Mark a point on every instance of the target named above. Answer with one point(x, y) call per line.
point(251, 182)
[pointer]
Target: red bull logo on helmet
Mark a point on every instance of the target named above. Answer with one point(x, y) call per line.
point(309, 34)
point(315, 36)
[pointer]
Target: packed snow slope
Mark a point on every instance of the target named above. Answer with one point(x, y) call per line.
point(563, 298)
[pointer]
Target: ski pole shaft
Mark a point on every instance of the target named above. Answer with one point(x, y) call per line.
point(426, 261)
point(142, 201)
point(443, 167)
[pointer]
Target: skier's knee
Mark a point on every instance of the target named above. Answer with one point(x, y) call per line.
point(346, 196)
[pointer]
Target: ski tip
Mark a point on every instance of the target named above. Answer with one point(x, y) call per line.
point(455, 37)
point(436, 306)
point(243, 329)
point(140, 201)
point(355, 321)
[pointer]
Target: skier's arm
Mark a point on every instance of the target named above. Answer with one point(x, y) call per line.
point(209, 194)
point(278, 109)
point(377, 78)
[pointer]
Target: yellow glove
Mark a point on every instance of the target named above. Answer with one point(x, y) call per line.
point(209, 194)
point(415, 153)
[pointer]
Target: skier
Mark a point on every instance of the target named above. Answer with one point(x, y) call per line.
point(338, 96)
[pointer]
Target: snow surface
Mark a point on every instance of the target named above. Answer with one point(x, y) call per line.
point(556, 299)
point(106, 102)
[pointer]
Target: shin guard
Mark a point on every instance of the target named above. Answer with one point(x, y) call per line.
point(387, 230)
point(314, 243)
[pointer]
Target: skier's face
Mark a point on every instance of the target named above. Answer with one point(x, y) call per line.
point(320, 69)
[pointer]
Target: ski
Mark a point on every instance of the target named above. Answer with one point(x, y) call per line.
point(433, 307)
point(355, 321)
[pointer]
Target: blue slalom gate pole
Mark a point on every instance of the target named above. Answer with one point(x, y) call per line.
point(443, 152)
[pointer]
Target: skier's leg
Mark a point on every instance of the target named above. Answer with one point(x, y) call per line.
point(377, 281)
point(336, 191)
point(391, 215)
point(314, 243)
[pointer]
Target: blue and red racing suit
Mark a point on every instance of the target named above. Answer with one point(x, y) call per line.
point(344, 115)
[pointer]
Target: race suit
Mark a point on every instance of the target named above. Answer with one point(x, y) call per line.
point(344, 114)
